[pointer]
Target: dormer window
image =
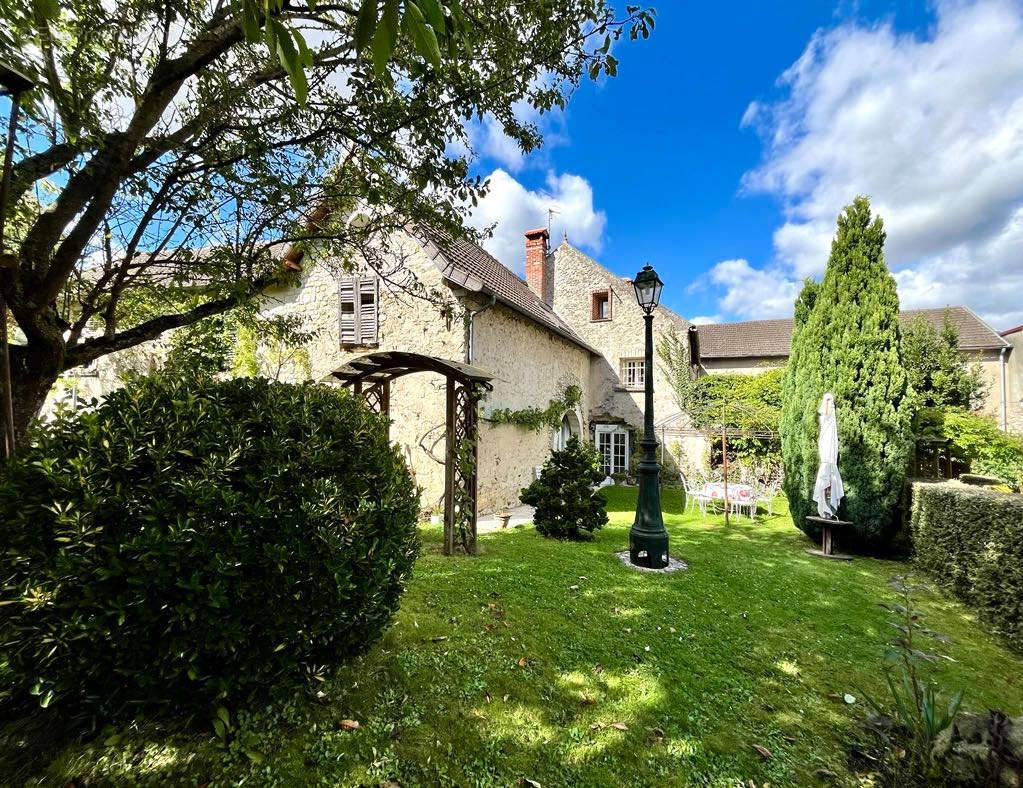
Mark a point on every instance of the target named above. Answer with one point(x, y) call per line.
point(600, 305)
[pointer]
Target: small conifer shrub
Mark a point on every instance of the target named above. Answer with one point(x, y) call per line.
point(567, 505)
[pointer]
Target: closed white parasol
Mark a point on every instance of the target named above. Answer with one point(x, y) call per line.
point(828, 490)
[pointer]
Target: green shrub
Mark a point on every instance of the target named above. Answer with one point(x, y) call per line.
point(971, 541)
point(567, 506)
point(193, 541)
point(976, 441)
point(846, 340)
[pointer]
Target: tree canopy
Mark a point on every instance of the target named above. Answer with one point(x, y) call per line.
point(847, 341)
point(169, 157)
point(937, 370)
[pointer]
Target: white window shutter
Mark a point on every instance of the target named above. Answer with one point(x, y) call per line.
point(348, 311)
point(367, 310)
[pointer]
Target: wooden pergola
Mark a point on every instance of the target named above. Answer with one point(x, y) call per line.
point(370, 377)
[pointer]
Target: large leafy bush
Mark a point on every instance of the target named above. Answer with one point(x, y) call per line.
point(976, 442)
point(971, 540)
point(567, 505)
point(190, 541)
point(847, 341)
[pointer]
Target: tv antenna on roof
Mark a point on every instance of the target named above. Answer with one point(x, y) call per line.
point(550, 218)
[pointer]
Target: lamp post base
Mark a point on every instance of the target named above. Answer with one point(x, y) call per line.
point(648, 549)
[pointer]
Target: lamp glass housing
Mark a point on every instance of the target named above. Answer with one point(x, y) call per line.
point(647, 285)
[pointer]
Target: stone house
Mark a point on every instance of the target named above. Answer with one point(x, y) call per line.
point(753, 346)
point(571, 323)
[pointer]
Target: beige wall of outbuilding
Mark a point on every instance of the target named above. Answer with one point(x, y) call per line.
point(1014, 382)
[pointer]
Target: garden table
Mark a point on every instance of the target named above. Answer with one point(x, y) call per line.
point(739, 495)
point(828, 537)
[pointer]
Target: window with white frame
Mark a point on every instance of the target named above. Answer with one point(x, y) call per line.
point(633, 373)
point(358, 312)
point(613, 446)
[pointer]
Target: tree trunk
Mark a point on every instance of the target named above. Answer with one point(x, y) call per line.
point(34, 370)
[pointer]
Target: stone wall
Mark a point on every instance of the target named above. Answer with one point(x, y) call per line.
point(405, 323)
point(576, 277)
point(531, 367)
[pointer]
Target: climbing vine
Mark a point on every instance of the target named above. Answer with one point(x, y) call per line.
point(537, 419)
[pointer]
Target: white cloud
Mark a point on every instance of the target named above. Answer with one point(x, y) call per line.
point(931, 128)
point(515, 209)
point(754, 293)
point(705, 320)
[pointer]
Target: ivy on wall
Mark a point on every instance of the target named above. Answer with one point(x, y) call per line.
point(537, 419)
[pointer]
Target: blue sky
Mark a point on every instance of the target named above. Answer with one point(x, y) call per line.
point(703, 159)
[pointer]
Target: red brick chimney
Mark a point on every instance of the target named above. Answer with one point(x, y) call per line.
point(537, 275)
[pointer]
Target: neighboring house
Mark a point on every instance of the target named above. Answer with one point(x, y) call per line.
point(1014, 379)
point(753, 346)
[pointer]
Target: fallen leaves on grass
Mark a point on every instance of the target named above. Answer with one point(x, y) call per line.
point(587, 700)
point(620, 726)
point(523, 661)
point(348, 725)
point(525, 782)
point(597, 667)
point(763, 752)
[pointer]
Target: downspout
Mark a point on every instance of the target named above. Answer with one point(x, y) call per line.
point(1001, 369)
point(469, 324)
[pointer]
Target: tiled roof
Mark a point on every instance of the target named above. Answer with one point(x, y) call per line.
point(772, 338)
point(468, 265)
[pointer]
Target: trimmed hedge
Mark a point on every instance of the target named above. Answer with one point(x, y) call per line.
point(971, 541)
point(192, 542)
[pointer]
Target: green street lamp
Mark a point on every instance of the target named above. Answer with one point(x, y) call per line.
point(648, 541)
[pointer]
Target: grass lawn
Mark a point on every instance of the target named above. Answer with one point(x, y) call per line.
point(551, 661)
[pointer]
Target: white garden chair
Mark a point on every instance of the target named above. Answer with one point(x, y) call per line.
point(767, 495)
point(695, 498)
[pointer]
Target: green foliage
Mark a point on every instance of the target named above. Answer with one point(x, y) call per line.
point(976, 442)
point(936, 368)
point(673, 353)
point(749, 404)
point(567, 505)
point(846, 341)
point(232, 342)
point(743, 403)
point(177, 125)
point(190, 542)
point(744, 648)
point(917, 707)
point(915, 703)
point(971, 541)
point(536, 419)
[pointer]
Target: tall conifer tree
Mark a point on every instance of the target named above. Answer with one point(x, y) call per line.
point(846, 340)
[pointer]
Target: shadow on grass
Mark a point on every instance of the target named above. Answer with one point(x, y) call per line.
point(552, 661)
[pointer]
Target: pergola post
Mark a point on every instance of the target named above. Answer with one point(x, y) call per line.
point(370, 377)
point(450, 458)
